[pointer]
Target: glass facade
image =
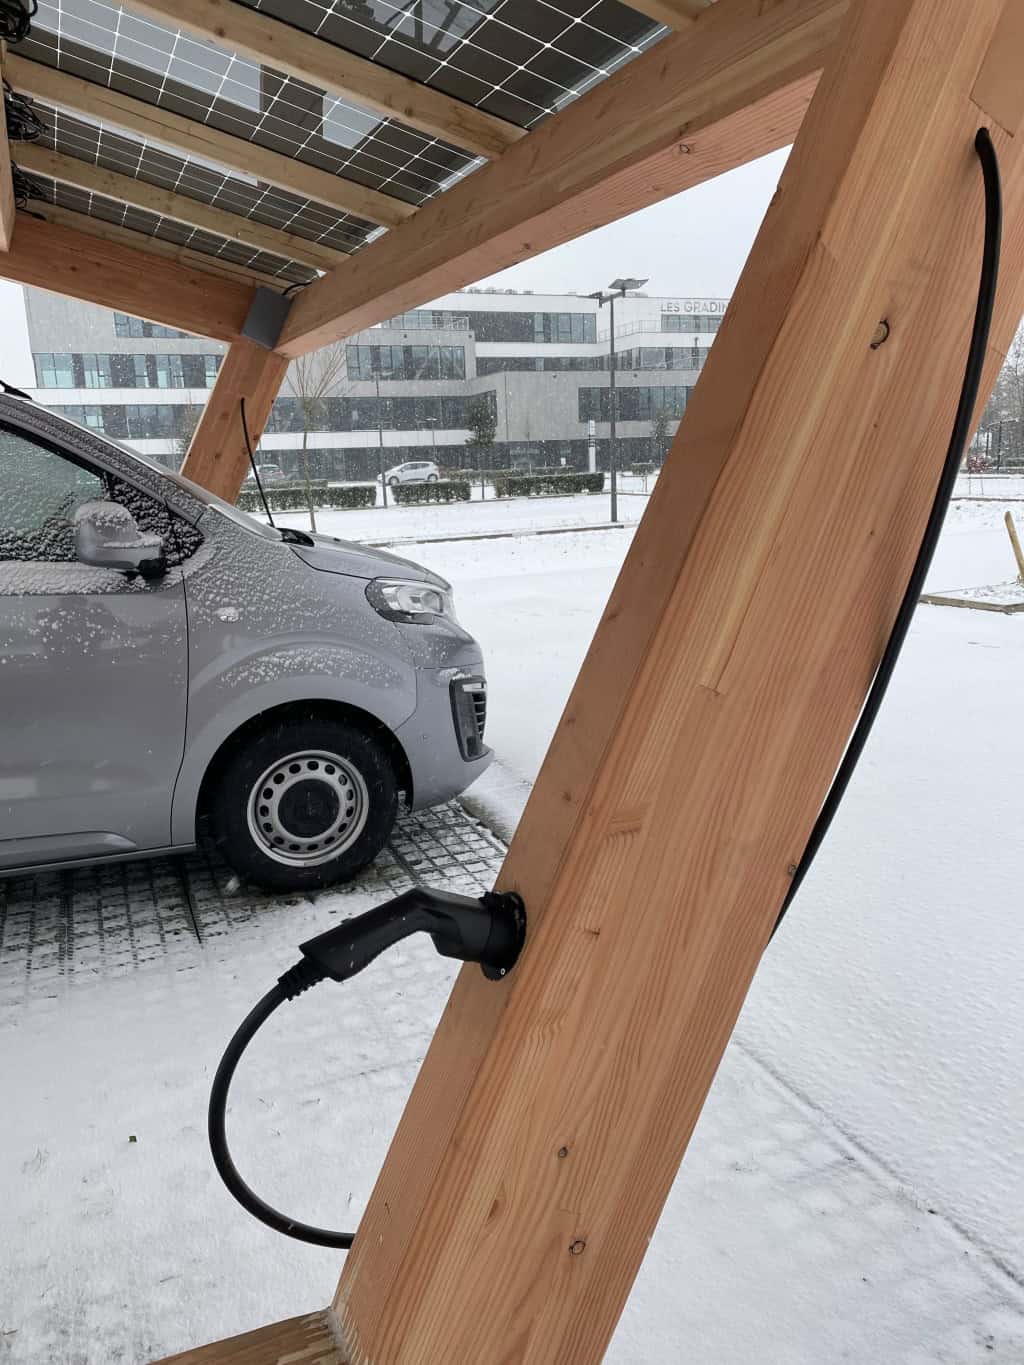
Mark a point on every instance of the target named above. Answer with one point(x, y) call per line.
point(396, 414)
point(662, 358)
point(690, 322)
point(131, 421)
point(502, 364)
point(74, 371)
point(125, 326)
point(406, 362)
point(539, 328)
point(639, 404)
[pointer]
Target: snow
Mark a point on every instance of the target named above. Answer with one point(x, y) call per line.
point(854, 1188)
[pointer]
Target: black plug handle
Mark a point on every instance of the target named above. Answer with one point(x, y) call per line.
point(490, 930)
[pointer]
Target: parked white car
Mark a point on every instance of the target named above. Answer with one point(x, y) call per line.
point(413, 471)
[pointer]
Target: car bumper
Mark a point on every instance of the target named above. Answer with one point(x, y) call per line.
point(439, 732)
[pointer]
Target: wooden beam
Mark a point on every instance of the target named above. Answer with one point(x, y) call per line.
point(298, 1341)
point(127, 189)
point(217, 456)
point(546, 1127)
point(672, 13)
point(6, 183)
point(98, 270)
point(263, 39)
point(732, 87)
point(214, 266)
point(193, 138)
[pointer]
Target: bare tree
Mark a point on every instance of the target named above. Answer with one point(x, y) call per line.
point(310, 381)
point(187, 415)
point(1004, 413)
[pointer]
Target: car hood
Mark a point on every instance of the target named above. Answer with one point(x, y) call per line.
point(330, 555)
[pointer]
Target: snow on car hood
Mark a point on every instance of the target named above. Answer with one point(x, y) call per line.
point(331, 555)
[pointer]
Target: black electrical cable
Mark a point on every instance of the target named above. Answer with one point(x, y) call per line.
point(16, 19)
point(252, 461)
point(247, 1197)
point(23, 123)
point(489, 930)
point(961, 430)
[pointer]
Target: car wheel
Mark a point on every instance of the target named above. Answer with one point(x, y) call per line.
point(431, 478)
point(305, 804)
point(393, 483)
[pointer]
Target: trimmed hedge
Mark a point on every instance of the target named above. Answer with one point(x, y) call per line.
point(293, 497)
point(444, 490)
point(537, 485)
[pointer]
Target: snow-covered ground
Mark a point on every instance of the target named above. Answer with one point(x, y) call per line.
point(854, 1190)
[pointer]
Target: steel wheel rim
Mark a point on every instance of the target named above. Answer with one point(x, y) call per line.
point(307, 808)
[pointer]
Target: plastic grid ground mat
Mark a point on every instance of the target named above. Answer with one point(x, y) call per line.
point(59, 929)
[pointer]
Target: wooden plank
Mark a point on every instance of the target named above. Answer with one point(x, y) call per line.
point(126, 189)
point(192, 138)
point(282, 48)
point(6, 185)
point(214, 266)
point(546, 1127)
point(671, 13)
point(305, 1340)
point(217, 456)
point(98, 270)
point(732, 87)
point(999, 89)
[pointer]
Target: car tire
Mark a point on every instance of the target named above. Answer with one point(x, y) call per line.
point(305, 804)
point(393, 483)
point(431, 478)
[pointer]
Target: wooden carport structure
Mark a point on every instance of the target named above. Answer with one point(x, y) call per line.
point(553, 1109)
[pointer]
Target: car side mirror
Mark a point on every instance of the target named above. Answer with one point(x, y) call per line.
point(108, 537)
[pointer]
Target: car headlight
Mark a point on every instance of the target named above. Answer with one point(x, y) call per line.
point(412, 602)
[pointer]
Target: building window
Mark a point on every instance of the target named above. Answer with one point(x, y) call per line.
point(125, 326)
point(169, 371)
point(406, 362)
point(635, 404)
point(54, 371)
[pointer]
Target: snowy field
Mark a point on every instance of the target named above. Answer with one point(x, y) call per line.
point(854, 1191)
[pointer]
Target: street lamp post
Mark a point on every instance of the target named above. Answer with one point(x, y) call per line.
point(380, 441)
point(617, 289)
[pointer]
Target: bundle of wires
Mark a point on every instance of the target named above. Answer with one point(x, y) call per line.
point(23, 123)
point(16, 19)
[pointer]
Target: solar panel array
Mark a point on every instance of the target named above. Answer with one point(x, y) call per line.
point(520, 60)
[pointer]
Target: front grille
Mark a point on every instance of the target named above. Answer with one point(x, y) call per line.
point(469, 712)
point(480, 708)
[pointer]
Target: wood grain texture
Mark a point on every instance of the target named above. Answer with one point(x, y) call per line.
point(6, 185)
point(732, 87)
point(127, 189)
point(100, 270)
point(192, 138)
point(282, 48)
point(708, 719)
point(306, 1340)
point(999, 89)
point(217, 456)
point(671, 13)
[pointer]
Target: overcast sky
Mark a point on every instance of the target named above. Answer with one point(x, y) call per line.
point(694, 244)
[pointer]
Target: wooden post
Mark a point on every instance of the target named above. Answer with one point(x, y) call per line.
point(1018, 553)
point(552, 1111)
point(7, 213)
point(217, 457)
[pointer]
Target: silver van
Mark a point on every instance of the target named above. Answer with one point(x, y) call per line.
point(167, 660)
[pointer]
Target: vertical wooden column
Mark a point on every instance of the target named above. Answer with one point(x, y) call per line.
point(217, 458)
point(7, 212)
point(552, 1111)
